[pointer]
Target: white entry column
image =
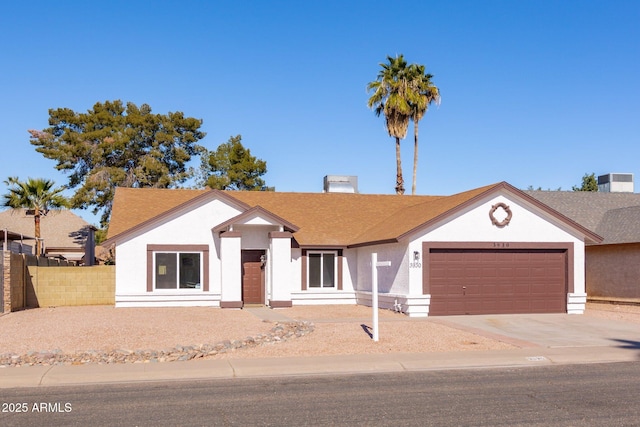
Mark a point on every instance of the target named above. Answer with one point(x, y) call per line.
point(280, 268)
point(231, 269)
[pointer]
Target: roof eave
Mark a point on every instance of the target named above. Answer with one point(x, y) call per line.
point(259, 210)
point(372, 243)
point(207, 195)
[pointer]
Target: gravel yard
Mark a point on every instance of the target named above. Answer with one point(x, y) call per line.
point(338, 330)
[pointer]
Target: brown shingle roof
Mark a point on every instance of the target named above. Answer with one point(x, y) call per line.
point(133, 206)
point(408, 219)
point(323, 219)
point(331, 219)
point(59, 228)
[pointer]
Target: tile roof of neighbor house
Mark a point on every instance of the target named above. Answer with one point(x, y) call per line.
point(59, 228)
point(323, 219)
point(614, 216)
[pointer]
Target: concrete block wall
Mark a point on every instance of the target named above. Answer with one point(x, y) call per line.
point(65, 286)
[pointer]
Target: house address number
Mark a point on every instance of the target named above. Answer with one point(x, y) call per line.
point(500, 244)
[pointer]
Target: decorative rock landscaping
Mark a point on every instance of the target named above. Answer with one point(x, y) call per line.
point(279, 333)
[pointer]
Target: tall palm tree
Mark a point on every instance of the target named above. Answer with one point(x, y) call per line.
point(37, 195)
point(427, 94)
point(391, 95)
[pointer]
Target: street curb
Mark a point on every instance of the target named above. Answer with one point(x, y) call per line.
point(67, 375)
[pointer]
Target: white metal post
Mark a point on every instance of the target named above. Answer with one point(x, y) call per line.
point(374, 293)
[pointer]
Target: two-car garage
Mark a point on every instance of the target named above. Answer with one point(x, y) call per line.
point(497, 277)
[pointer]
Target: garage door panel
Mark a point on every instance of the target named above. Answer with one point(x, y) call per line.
point(505, 272)
point(497, 281)
point(521, 272)
point(473, 289)
point(448, 306)
point(455, 272)
point(447, 290)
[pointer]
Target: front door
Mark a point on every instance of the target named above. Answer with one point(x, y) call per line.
point(252, 277)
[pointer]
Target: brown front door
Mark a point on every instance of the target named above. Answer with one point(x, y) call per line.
point(252, 277)
point(497, 282)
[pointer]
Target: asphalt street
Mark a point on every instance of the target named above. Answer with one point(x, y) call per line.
point(567, 395)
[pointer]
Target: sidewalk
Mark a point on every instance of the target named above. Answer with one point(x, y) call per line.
point(541, 340)
point(43, 376)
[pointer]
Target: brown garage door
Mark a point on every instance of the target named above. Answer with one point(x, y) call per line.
point(485, 281)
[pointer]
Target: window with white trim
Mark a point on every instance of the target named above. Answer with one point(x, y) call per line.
point(177, 270)
point(321, 269)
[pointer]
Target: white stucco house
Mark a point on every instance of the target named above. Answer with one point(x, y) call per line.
point(493, 249)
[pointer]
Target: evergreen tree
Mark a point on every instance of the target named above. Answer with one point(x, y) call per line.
point(232, 167)
point(115, 145)
point(589, 183)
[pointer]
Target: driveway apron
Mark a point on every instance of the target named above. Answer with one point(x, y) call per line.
point(552, 330)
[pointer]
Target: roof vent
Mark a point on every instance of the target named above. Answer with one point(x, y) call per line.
point(616, 183)
point(340, 184)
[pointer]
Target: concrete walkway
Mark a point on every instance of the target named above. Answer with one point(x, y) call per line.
point(267, 314)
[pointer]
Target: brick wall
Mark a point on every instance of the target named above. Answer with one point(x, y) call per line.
point(64, 286)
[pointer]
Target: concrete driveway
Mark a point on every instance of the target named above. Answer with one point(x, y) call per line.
point(551, 330)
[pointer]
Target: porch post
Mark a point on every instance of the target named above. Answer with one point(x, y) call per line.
point(231, 269)
point(280, 269)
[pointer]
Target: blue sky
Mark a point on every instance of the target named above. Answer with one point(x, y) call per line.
point(534, 92)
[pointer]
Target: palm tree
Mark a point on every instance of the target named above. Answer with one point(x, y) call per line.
point(391, 95)
point(37, 195)
point(427, 94)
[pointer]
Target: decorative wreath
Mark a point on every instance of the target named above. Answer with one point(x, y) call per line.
point(505, 221)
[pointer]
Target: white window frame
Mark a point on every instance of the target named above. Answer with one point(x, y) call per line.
point(335, 270)
point(198, 288)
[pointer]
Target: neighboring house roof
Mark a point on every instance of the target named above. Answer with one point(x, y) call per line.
point(320, 219)
point(614, 216)
point(58, 229)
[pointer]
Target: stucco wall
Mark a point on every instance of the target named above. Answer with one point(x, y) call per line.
point(613, 271)
point(64, 286)
point(392, 279)
point(191, 226)
point(528, 224)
